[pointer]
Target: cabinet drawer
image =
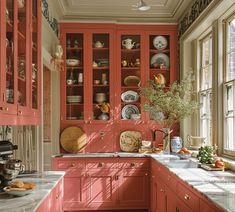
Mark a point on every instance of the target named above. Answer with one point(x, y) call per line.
point(64, 165)
point(169, 179)
point(188, 197)
point(101, 163)
point(131, 163)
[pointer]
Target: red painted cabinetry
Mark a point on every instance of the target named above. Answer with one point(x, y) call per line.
point(105, 62)
point(54, 201)
point(20, 62)
point(170, 194)
point(104, 183)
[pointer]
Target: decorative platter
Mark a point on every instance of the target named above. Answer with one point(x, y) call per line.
point(130, 96)
point(73, 139)
point(128, 110)
point(159, 59)
point(160, 42)
point(131, 81)
point(130, 141)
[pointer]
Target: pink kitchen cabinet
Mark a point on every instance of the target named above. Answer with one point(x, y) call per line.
point(102, 189)
point(104, 183)
point(20, 82)
point(134, 188)
point(54, 201)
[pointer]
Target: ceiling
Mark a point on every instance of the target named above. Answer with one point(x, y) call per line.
point(165, 11)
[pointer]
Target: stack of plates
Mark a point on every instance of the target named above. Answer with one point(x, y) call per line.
point(73, 99)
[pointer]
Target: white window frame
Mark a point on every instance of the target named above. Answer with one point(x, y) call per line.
point(207, 114)
point(228, 83)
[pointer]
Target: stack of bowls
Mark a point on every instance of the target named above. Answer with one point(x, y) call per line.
point(100, 97)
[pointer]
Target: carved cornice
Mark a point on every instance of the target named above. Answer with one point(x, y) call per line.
point(51, 20)
point(196, 9)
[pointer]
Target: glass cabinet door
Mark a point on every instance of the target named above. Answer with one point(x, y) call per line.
point(10, 83)
point(74, 76)
point(101, 76)
point(159, 58)
point(21, 50)
point(130, 77)
point(34, 66)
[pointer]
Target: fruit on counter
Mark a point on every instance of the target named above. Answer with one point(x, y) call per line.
point(184, 151)
point(206, 154)
point(219, 163)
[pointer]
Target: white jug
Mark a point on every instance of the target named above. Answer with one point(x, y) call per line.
point(127, 43)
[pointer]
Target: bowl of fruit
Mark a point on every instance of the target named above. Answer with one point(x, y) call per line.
point(184, 153)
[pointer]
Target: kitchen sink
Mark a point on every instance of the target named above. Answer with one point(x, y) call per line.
point(182, 164)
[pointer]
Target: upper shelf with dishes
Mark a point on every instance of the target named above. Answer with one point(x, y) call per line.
point(159, 54)
point(130, 77)
point(74, 77)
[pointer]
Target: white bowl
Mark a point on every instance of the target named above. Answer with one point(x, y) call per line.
point(72, 62)
point(17, 192)
point(146, 143)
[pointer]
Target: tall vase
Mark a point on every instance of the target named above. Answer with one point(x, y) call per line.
point(166, 140)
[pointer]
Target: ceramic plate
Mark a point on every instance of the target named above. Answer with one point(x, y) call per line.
point(17, 192)
point(160, 58)
point(130, 141)
point(128, 110)
point(160, 42)
point(130, 96)
point(131, 81)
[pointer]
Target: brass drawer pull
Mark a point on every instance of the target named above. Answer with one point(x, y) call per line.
point(132, 164)
point(72, 164)
point(186, 197)
point(100, 164)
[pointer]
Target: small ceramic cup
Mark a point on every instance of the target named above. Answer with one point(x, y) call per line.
point(69, 81)
point(96, 82)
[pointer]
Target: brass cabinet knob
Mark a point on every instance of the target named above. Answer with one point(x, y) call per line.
point(100, 164)
point(186, 197)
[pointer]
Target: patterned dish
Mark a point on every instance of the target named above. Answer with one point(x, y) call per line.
point(130, 96)
point(160, 42)
point(128, 110)
point(130, 141)
point(131, 81)
point(160, 59)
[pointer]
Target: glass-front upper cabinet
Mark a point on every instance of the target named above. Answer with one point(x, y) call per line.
point(35, 60)
point(130, 77)
point(159, 58)
point(74, 76)
point(21, 50)
point(100, 76)
point(10, 79)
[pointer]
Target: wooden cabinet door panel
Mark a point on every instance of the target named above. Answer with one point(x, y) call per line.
point(182, 207)
point(74, 192)
point(134, 188)
point(161, 197)
point(101, 189)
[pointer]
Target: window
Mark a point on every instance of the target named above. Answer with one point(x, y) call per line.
point(205, 88)
point(229, 90)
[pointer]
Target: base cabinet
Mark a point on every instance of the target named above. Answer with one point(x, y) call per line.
point(133, 188)
point(104, 183)
point(170, 194)
point(54, 201)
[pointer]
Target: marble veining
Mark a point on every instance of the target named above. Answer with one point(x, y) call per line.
point(45, 182)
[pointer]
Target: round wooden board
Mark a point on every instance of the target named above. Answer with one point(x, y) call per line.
point(73, 139)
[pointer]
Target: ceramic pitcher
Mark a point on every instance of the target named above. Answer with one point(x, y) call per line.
point(127, 43)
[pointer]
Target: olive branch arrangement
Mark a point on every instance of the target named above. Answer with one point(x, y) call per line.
point(169, 105)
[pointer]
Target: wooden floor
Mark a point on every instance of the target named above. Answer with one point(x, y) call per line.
point(113, 211)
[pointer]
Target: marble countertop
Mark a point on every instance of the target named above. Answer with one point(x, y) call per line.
point(218, 186)
point(44, 181)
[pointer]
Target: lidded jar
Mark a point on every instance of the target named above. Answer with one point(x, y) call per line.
point(176, 144)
